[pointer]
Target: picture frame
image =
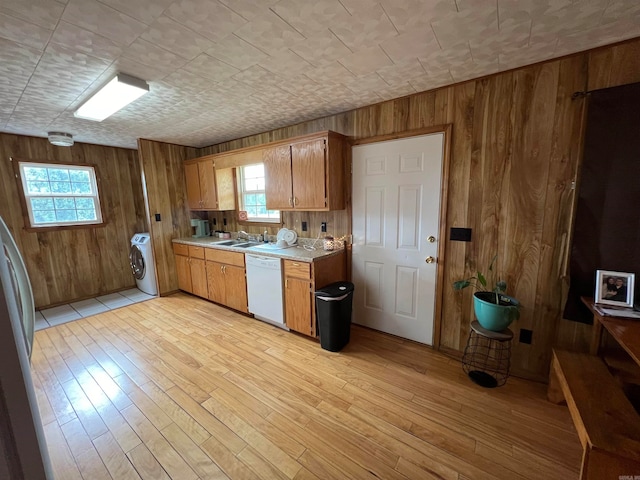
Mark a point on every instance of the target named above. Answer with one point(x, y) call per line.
point(615, 288)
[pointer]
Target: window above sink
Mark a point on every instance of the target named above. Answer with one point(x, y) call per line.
point(251, 193)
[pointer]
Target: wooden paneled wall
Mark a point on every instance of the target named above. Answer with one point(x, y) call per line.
point(165, 194)
point(338, 223)
point(67, 265)
point(515, 153)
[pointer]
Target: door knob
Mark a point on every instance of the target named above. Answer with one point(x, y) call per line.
point(430, 259)
point(431, 239)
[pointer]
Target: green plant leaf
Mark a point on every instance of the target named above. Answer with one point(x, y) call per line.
point(482, 280)
point(492, 262)
point(460, 284)
point(501, 286)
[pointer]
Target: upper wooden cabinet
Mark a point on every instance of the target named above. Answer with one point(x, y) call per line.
point(208, 188)
point(306, 174)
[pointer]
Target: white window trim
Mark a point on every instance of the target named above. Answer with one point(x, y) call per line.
point(94, 188)
point(241, 194)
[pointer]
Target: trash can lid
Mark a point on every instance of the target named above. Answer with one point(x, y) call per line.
point(337, 289)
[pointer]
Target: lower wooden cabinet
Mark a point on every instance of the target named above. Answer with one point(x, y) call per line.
point(191, 269)
point(216, 282)
point(298, 305)
point(226, 279)
point(198, 277)
point(220, 276)
point(184, 272)
point(301, 280)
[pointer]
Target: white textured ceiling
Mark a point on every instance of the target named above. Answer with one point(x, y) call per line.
point(224, 69)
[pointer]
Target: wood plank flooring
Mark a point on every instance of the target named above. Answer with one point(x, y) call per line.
point(179, 388)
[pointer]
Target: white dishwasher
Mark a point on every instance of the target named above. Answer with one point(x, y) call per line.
point(264, 288)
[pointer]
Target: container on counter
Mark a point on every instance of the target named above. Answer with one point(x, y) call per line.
point(328, 243)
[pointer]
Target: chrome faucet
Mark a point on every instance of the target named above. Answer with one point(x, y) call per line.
point(243, 234)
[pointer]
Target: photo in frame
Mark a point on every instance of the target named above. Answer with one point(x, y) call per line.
point(615, 288)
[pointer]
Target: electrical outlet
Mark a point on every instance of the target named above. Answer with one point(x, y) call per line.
point(323, 227)
point(304, 226)
point(525, 336)
point(157, 217)
point(224, 221)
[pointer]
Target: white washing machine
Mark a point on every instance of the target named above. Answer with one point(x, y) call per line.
point(141, 261)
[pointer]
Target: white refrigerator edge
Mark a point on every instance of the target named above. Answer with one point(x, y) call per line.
point(23, 449)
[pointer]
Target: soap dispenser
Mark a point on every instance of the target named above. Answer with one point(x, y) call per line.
point(265, 236)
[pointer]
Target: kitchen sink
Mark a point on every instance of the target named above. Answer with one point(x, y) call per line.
point(229, 243)
point(247, 245)
point(237, 243)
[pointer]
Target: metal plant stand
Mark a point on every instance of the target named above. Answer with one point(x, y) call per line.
point(487, 356)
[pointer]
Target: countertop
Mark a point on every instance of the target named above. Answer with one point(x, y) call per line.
point(293, 253)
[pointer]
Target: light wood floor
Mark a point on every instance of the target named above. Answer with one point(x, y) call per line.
point(180, 388)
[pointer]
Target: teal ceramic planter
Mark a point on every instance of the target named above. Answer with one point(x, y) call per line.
point(495, 317)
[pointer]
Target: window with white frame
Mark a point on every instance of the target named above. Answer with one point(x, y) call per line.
point(59, 195)
point(252, 194)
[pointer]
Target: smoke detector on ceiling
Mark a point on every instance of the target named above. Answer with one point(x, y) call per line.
point(60, 139)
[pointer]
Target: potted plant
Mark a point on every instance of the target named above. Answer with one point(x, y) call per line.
point(494, 310)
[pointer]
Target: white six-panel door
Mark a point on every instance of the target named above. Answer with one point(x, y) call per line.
point(396, 207)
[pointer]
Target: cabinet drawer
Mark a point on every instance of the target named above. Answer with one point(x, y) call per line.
point(196, 252)
point(181, 249)
point(224, 256)
point(297, 269)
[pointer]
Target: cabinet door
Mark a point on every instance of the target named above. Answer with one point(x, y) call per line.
point(183, 270)
point(308, 172)
point(225, 189)
point(199, 277)
point(297, 300)
point(216, 282)
point(277, 172)
point(208, 185)
point(236, 288)
point(192, 179)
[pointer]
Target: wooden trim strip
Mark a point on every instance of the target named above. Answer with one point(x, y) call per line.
point(395, 136)
point(444, 195)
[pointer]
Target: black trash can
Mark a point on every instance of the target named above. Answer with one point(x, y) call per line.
point(333, 313)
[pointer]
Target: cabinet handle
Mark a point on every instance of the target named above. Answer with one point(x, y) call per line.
point(295, 201)
point(291, 201)
point(221, 268)
point(295, 264)
point(225, 269)
point(286, 283)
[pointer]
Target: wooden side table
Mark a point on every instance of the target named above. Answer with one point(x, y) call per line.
point(487, 356)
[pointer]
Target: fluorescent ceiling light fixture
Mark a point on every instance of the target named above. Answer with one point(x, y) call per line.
point(118, 93)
